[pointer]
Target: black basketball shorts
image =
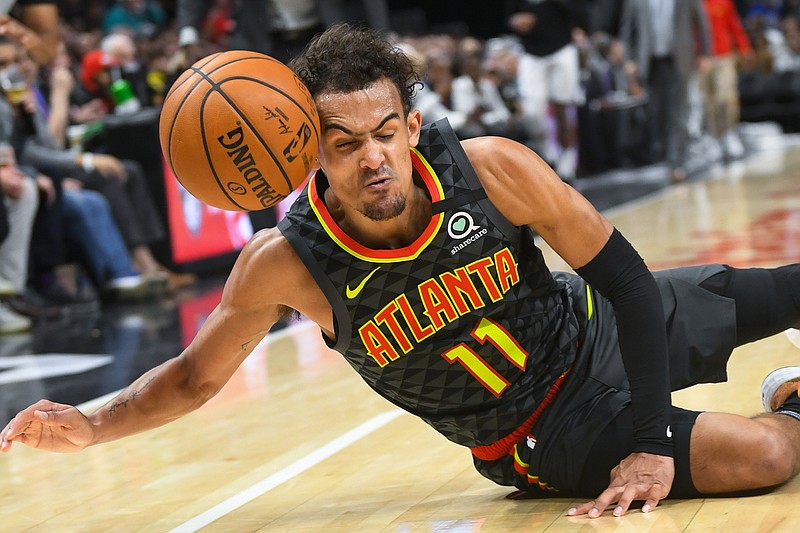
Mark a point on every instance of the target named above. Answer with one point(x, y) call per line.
point(588, 429)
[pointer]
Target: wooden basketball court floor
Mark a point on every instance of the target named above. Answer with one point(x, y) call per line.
point(296, 442)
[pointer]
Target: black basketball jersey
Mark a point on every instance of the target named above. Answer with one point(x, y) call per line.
point(466, 327)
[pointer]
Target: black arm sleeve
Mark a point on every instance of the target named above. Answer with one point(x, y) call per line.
point(620, 275)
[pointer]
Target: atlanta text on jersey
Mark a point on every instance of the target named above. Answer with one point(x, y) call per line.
point(443, 299)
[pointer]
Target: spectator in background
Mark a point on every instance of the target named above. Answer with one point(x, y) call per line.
point(763, 58)
point(123, 49)
point(719, 84)
point(477, 95)
point(786, 49)
point(69, 215)
point(22, 188)
point(502, 66)
point(95, 238)
point(218, 23)
point(20, 198)
point(35, 28)
point(122, 182)
point(95, 79)
point(612, 124)
point(143, 18)
point(549, 74)
point(435, 99)
point(662, 37)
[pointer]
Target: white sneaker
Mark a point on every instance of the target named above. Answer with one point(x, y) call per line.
point(775, 380)
point(11, 321)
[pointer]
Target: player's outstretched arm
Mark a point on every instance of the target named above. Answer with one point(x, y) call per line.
point(178, 386)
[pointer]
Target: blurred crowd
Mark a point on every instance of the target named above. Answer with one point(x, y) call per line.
point(591, 85)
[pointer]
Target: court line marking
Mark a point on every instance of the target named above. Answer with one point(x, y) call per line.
point(285, 474)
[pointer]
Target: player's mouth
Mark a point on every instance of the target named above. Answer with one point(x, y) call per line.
point(377, 183)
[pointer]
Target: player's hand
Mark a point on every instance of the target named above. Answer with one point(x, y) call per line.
point(49, 426)
point(640, 476)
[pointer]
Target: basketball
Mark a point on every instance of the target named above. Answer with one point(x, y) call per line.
point(239, 130)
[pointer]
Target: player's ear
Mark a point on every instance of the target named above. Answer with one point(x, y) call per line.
point(414, 123)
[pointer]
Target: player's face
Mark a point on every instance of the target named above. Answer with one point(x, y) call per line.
point(364, 149)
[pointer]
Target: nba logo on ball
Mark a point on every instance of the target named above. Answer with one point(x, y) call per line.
point(239, 130)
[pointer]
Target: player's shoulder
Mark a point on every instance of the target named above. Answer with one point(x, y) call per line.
point(266, 248)
point(515, 178)
point(495, 154)
point(266, 264)
point(499, 160)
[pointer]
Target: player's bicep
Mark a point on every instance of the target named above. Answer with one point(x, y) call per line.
point(528, 192)
point(249, 307)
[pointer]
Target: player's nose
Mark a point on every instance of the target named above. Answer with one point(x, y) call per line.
point(373, 156)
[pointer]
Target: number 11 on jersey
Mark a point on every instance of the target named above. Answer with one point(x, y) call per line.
point(488, 330)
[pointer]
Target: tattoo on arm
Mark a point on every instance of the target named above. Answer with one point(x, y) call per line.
point(132, 396)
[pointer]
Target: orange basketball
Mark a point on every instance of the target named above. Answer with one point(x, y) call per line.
point(239, 130)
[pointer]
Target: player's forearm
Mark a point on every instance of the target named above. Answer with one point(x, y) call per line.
point(622, 277)
point(161, 395)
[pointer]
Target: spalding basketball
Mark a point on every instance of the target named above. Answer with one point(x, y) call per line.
point(239, 130)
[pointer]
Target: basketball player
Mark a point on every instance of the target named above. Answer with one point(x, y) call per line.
point(414, 253)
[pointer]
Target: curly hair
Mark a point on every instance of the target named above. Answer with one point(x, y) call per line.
point(345, 59)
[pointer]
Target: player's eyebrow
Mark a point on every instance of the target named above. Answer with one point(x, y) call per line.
point(346, 130)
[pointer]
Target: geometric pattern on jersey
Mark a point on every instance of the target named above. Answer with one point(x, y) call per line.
point(466, 327)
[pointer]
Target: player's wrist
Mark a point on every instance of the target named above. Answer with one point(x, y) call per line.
point(662, 447)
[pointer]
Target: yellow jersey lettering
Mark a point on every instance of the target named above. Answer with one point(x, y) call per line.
point(386, 316)
point(507, 271)
point(436, 304)
point(443, 300)
point(420, 333)
point(377, 344)
point(459, 285)
point(481, 267)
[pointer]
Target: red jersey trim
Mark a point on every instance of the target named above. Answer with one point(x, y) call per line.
point(505, 446)
point(349, 245)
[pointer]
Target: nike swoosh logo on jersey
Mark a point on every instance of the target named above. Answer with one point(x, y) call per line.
point(352, 293)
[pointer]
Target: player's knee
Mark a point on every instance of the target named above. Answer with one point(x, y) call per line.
point(775, 459)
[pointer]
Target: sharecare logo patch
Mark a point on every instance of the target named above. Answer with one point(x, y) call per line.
point(462, 226)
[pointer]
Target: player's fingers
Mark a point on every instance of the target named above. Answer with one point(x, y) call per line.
point(581, 509)
point(5, 437)
point(653, 497)
point(595, 508)
point(628, 495)
point(609, 496)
